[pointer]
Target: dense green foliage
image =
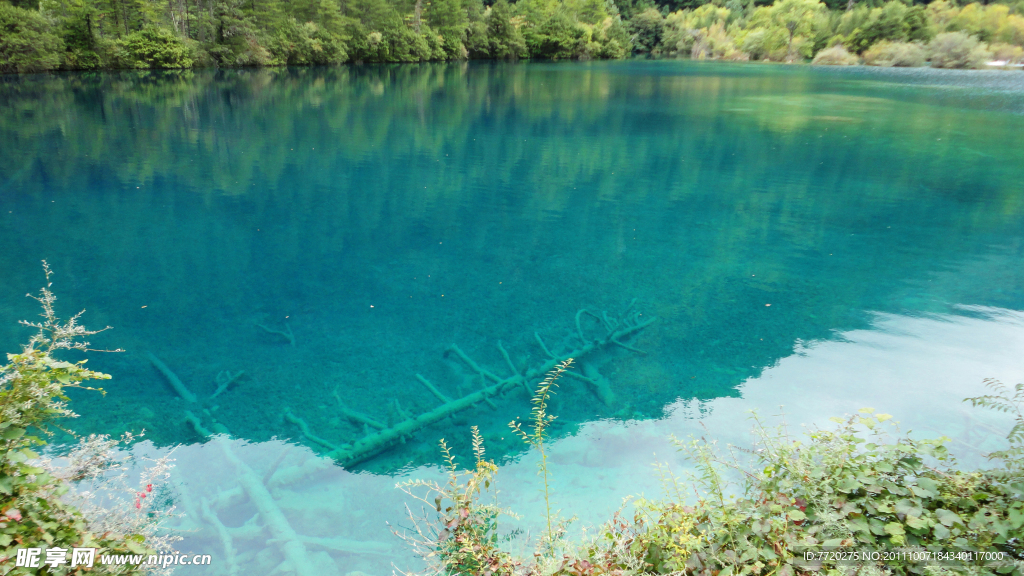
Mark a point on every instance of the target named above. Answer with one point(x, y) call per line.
point(863, 485)
point(957, 50)
point(798, 30)
point(26, 42)
point(887, 53)
point(86, 34)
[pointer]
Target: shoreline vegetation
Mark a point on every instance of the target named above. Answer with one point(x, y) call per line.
point(861, 497)
point(44, 35)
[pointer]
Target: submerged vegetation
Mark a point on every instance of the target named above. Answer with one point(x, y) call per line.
point(94, 34)
point(772, 509)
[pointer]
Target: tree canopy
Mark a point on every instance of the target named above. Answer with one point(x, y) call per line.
point(91, 34)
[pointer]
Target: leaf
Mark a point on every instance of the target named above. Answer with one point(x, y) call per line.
point(135, 546)
point(12, 433)
point(928, 484)
point(1016, 517)
point(941, 532)
point(847, 509)
point(884, 467)
point(796, 515)
point(859, 524)
point(894, 529)
point(848, 485)
point(759, 528)
point(908, 507)
point(925, 488)
point(916, 522)
point(947, 517)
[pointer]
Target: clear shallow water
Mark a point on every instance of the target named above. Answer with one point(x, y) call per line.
point(384, 213)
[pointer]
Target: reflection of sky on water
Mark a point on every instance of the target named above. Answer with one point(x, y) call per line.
point(915, 368)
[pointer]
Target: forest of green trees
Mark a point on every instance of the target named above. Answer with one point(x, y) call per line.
point(37, 35)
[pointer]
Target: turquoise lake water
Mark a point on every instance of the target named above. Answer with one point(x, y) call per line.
point(824, 239)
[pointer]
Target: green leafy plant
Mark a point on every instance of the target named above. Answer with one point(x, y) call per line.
point(835, 56)
point(957, 50)
point(456, 532)
point(536, 437)
point(154, 47)
point(1010, 401)
point(861, 485)
point(27, 43)
point(34, 495)
point(458, 536)
point(887, 54)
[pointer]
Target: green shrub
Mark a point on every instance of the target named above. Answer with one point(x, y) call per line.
point(714, 43)
point(558, 38)
point(1007, 53)
point(862, 485)
point(957, 50)
point(34, 496)
point(27, 44)
point(505, 39)
point(755, 44)
point(895, 22)
point(767, 44)
point(83, 50)
point(400, 44)
point(307, 43)
point(885, 53)
point(453, 47)
point(842, 488)
point(433, 47)
point(835, 56)
point(460, 537)
point(153, 48)
point(647, 28)
point(241, 50)
point(476, 43)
